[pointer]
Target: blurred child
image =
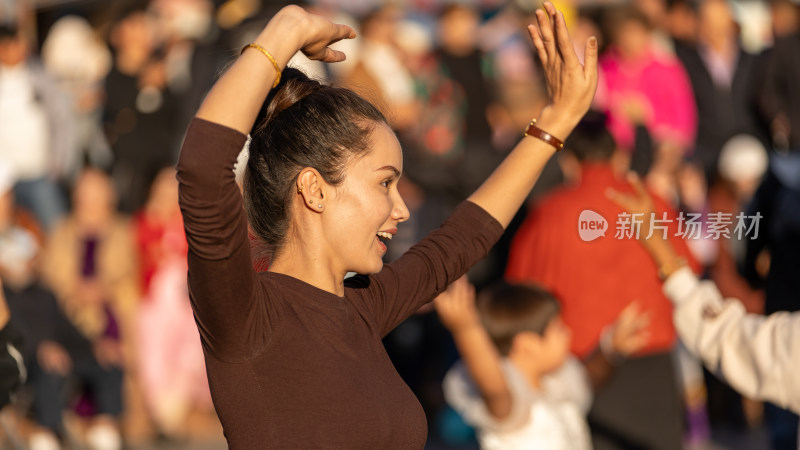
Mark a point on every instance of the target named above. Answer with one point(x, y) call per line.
point(518, 384)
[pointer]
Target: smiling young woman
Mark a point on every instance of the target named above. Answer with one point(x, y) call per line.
point(294, 355)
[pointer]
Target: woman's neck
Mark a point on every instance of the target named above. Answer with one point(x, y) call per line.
point(306, 265)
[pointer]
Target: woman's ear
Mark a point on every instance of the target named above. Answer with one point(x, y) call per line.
point(311, 186)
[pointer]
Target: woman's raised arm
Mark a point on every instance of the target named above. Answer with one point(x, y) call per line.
point(236, 98)
point(571, 87)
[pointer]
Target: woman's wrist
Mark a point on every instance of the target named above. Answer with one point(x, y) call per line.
point(555, 123)
point(283, 36)
point(281, 50)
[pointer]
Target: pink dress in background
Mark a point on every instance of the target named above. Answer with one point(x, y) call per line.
point(171, 362)
point(659, 81)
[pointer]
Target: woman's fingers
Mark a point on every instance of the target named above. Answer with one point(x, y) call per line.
point(332, 55)
point(329, 33)
point(344, 32)
point(565, 47)
point(537, 43)
point(546, 32)
point(590, 61)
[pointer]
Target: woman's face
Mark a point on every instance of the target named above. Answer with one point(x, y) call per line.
point(364, 210)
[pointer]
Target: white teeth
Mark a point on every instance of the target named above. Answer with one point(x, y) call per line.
point(384, 234)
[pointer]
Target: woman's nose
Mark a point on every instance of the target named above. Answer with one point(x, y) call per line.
point(400, 211)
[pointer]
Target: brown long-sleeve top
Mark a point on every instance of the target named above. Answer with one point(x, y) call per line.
point(291, 365)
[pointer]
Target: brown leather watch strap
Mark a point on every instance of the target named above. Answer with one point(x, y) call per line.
point(539, 133)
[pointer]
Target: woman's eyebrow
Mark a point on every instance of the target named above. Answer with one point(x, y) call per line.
point(392, 168)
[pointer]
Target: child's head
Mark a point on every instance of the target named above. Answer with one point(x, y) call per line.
point(525, 321)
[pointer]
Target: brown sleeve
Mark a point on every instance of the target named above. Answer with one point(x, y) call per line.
point(426, 269)
point(222, 281)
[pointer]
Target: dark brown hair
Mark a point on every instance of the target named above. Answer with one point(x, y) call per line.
point(509, 309)
point(303, 123)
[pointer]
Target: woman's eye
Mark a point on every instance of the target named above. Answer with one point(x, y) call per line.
point(385, 183)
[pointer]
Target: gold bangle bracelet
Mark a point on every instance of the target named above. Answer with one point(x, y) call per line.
point(268, 55)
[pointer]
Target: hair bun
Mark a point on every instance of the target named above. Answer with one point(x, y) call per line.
point(294, 86)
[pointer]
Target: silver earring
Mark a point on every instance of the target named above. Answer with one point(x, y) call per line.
point(320, 205)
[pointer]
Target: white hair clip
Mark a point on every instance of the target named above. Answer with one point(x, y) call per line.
point(241, 161)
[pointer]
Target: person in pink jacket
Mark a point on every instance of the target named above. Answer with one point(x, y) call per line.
point(641, 85)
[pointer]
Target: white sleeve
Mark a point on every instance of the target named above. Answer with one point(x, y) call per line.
point(757, 355)
point(463, 396)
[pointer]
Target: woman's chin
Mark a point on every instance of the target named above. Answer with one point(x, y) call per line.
point(371, 269)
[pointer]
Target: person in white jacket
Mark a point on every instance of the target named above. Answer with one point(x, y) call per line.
point(757, 355)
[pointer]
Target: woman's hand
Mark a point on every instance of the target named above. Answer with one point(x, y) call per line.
point(571, 88)
point(570, 85)
point(310, 33)
point(456, 306)
point(238, 96)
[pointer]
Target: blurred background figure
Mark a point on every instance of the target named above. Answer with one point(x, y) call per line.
point(35, 123)
point(464, 61)
point(79, 61)
point(772, 261)
point(17, 245)
point(780, 96)
point(723, 78)
point(681, 23)
point(381, 74)
point(645, 90)
point(743, 162)
point(56, 354)
point(90, 263)
point(169, 357)
point(187, 31)
point(12, 365)
point(141, 114)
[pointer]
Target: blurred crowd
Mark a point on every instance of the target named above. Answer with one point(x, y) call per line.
point(95, 97)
